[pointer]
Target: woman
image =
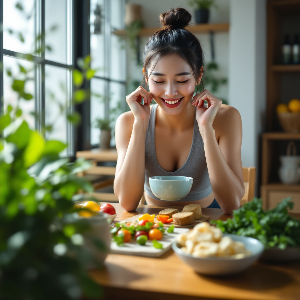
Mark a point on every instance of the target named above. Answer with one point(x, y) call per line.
point(178, 135)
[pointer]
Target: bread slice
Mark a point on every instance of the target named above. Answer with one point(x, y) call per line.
point(169, 212)
point(183, 218)
point(195, 209)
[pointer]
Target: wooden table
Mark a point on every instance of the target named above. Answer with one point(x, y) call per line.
point(132, 277)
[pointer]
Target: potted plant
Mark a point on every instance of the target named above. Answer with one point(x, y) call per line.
point(42, 250)
point(202, 9)
point(105, 132)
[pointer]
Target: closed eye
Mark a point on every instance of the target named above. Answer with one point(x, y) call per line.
point(177, 81)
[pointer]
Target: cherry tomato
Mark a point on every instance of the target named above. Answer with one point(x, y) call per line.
point(126, 233)
point(143, 222)
point(155, 234)
point(155, 226)
point(141, 240)
point(106, 204)
point(142, 232)
point(108, 209)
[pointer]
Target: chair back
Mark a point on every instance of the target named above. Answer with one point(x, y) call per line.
point(249, 175)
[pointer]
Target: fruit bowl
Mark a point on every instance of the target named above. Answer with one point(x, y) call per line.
point(289, 121)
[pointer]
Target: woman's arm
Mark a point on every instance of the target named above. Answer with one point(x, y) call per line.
point(223, 158)
point(130, 131)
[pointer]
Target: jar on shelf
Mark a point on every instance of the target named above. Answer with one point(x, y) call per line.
point(289, 172)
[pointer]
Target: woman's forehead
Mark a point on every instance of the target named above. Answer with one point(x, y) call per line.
point(170, 65)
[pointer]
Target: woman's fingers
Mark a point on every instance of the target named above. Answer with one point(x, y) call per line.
point(138, 94)
point(206, 96)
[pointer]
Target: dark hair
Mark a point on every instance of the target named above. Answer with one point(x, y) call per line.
point(174, 39)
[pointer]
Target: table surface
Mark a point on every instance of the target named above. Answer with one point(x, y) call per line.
point(132, 277)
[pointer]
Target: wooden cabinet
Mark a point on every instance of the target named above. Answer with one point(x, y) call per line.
point(283, 84)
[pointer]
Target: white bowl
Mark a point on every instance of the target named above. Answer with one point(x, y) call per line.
point(223, 265)
point(110, 218)
point(279, 255)
point(170, 188)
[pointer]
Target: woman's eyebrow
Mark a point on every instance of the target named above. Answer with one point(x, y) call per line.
point(179, 74)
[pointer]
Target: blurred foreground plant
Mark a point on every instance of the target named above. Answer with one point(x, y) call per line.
point(42, 255)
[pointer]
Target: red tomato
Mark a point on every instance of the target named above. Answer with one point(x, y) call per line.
point(143, 222)
point(127, 235)
point(106, 204)
point(108, 209)
point(155, 234)
point(142, 232)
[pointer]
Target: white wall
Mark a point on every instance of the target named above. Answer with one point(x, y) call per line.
point(247, 72)
point(220, 14)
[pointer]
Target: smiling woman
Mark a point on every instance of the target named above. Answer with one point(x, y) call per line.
point(178, 135)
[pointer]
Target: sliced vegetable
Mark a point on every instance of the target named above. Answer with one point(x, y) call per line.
point(126, 234)
point(171, 229)
point(147, 217)
point(155, 234)
point(157, 244)
point(143, 222)
point(142, 239)
point(139, 233)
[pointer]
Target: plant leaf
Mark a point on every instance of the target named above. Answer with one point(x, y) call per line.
point(34, 149)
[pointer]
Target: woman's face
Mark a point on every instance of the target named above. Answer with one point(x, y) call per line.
point(172, 83)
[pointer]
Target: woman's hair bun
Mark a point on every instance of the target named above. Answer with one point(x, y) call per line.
point(175, 18)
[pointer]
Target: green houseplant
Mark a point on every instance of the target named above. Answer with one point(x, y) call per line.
point(202, 9)
point(105, 132)
point(42, 253)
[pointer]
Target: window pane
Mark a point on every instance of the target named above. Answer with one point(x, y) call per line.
point(10, 96)
point(117, 53)
point(16, 20)
point(97, 107)
point(116, 103)
point(56, 101)
point(56, 13)
point(97, 38)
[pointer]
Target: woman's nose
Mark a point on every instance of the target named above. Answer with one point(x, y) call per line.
point(171, 91)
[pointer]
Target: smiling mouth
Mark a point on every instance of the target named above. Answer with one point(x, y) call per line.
point(172, 102)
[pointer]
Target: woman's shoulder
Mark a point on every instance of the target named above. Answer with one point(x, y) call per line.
point(227, 118)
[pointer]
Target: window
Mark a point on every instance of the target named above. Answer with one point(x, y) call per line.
point(53, 64)
point(109, 59)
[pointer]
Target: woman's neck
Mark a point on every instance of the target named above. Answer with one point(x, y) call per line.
point(180, 122)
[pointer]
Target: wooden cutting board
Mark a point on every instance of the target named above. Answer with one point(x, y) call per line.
point(136, 218)
point(133, 248)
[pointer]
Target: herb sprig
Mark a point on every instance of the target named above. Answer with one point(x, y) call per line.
point(274, 228)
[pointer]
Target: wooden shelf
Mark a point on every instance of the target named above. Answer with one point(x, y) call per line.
point(199, 28)
point(282, 187)
point(285, 68)
point(281, 136)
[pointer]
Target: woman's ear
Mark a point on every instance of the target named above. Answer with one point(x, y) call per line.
point(200, 76)
point(145, 76)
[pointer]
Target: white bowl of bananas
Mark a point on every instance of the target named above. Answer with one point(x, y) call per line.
point(209, 252)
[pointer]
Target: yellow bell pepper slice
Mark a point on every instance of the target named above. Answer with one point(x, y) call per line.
point(147, 217)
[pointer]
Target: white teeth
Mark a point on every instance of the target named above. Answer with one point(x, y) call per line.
point(172, 102)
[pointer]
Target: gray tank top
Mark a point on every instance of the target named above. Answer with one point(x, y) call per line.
point(195, 165)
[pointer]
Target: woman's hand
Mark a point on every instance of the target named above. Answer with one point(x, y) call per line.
point(205, 115)
point(140, 112)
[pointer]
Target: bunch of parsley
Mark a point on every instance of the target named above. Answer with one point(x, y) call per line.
point(274, 228)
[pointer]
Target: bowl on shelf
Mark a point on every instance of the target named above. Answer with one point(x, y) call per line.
point(170, 188)
point(289, 121)
point(223, 265)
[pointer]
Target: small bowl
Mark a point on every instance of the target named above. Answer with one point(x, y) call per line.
point(170, 188)
point(110, 218)
point(223, 265)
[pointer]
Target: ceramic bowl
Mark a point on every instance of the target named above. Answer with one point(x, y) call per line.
point(170, 188)
point(110, 218)
point(223, 265)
